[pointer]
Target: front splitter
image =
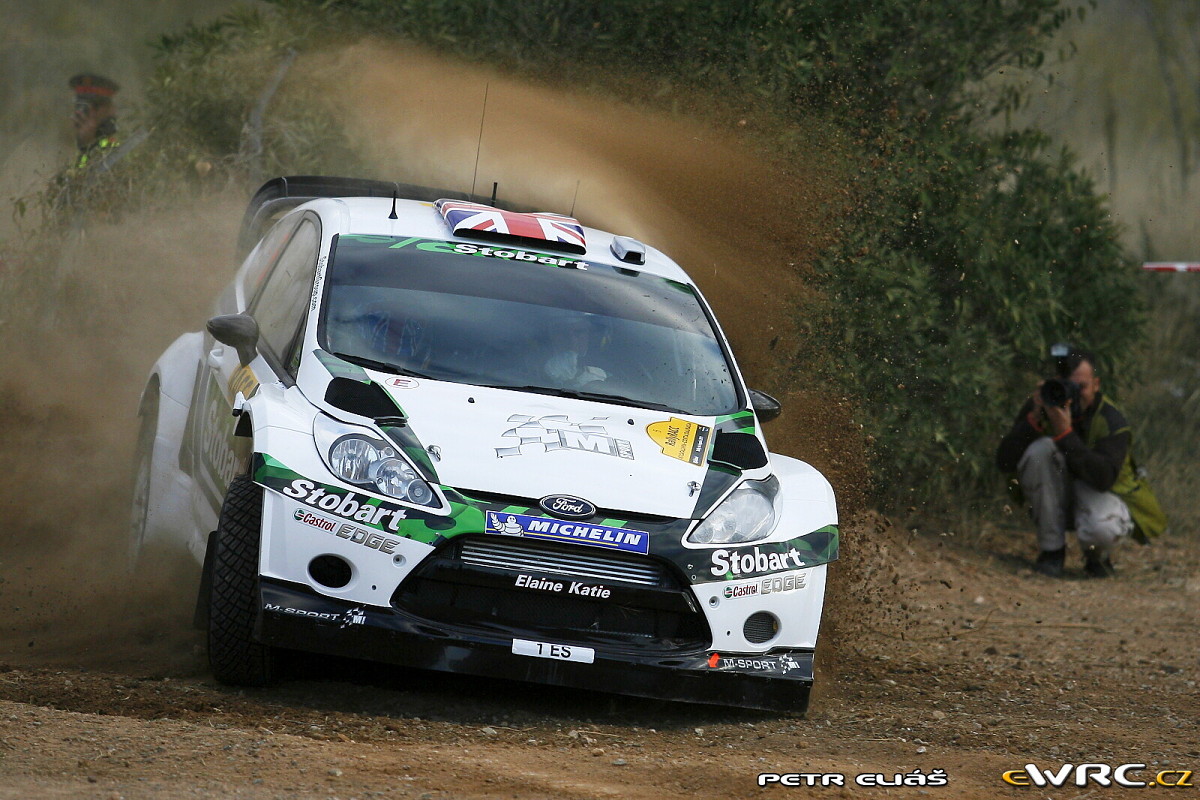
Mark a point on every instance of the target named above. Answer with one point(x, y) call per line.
point(294, 617)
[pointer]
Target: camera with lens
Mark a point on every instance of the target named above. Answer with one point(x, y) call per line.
point(1057, 392)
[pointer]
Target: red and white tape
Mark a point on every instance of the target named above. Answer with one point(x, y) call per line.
point(1170, 266)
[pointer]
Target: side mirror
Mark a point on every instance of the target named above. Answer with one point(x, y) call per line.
point(239, 331)
point(766, 407)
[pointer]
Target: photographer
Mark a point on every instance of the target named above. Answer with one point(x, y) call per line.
point(1070, 448)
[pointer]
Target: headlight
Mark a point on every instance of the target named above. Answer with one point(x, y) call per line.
point(351, 458)
point(358, 455)
point(746, 515)
point(397, 479)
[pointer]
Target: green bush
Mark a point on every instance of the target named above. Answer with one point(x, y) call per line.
point(967, 257)
point(210, 79)
point(877, 53)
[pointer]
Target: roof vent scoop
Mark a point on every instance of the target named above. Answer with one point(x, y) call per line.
point(631, 251)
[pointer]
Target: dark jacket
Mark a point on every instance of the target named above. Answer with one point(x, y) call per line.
point(1096, 450)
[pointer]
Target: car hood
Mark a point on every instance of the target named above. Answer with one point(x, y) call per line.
point(530, 445)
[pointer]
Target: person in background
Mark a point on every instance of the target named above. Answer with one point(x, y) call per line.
point(1070, 448)
point(94, 118)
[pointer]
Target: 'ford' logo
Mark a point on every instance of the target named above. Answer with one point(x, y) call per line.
point(566, 506)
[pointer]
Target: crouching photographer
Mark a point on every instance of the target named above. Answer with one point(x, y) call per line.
point(1070, 450)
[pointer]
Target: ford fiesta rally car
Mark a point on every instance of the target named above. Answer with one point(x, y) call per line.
point(441, 434)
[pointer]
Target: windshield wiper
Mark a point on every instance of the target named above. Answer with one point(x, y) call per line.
point(622, 400)
point(380, 366)
point(576, 394)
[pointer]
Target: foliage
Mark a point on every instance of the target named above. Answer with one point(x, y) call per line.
point(1166, 401)
point(218, 110)
point(969, 257)
point(211, 78)
point(878, 53)
point(964, 255)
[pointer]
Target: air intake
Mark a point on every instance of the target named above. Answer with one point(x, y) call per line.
point(631, 251)
point(330, 571)
point(760, 627)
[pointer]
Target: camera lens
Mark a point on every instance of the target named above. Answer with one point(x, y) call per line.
point(1054, 393)
point(1060, 391)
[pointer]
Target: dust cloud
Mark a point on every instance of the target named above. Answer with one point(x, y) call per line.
point(744, 228)
point(81, 337)
point(77, 351)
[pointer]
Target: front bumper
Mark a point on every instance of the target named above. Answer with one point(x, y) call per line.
point(293, 616)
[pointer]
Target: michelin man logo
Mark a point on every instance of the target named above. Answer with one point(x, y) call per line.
point(557, 432)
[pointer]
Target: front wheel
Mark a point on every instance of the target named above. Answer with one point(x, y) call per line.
point(233, 654)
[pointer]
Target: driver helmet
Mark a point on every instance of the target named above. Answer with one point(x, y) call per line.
point(403, 340)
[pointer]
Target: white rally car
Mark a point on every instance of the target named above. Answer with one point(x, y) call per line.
point(436, 433)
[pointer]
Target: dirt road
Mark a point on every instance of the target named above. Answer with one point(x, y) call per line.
point(940, 649)
point(942, 652)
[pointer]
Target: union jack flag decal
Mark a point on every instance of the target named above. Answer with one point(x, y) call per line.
point(565, 232)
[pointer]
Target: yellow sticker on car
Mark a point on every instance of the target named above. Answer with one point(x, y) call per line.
point(244, 381)
point(681, 439)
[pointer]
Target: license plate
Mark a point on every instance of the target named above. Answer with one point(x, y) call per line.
point(559, 652)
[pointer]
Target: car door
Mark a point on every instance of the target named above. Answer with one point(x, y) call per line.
point(279, 305)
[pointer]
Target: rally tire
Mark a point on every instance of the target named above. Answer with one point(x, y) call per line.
point(233, 654)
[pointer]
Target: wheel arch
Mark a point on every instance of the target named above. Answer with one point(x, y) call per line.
point(807, 495)
point(176, 369)
point(167, 396)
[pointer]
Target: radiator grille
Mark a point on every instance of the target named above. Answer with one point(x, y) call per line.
point(487, 583)
point(580, 563)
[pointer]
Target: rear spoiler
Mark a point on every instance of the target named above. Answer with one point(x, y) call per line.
point(279, 195)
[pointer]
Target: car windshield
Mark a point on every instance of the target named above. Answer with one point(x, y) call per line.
point(522, 319)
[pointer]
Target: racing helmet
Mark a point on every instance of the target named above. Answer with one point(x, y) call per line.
point(394, 337)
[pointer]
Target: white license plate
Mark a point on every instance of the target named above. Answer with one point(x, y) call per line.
point(559, 652)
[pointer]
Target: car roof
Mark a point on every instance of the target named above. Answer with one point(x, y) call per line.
point(372, 216)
